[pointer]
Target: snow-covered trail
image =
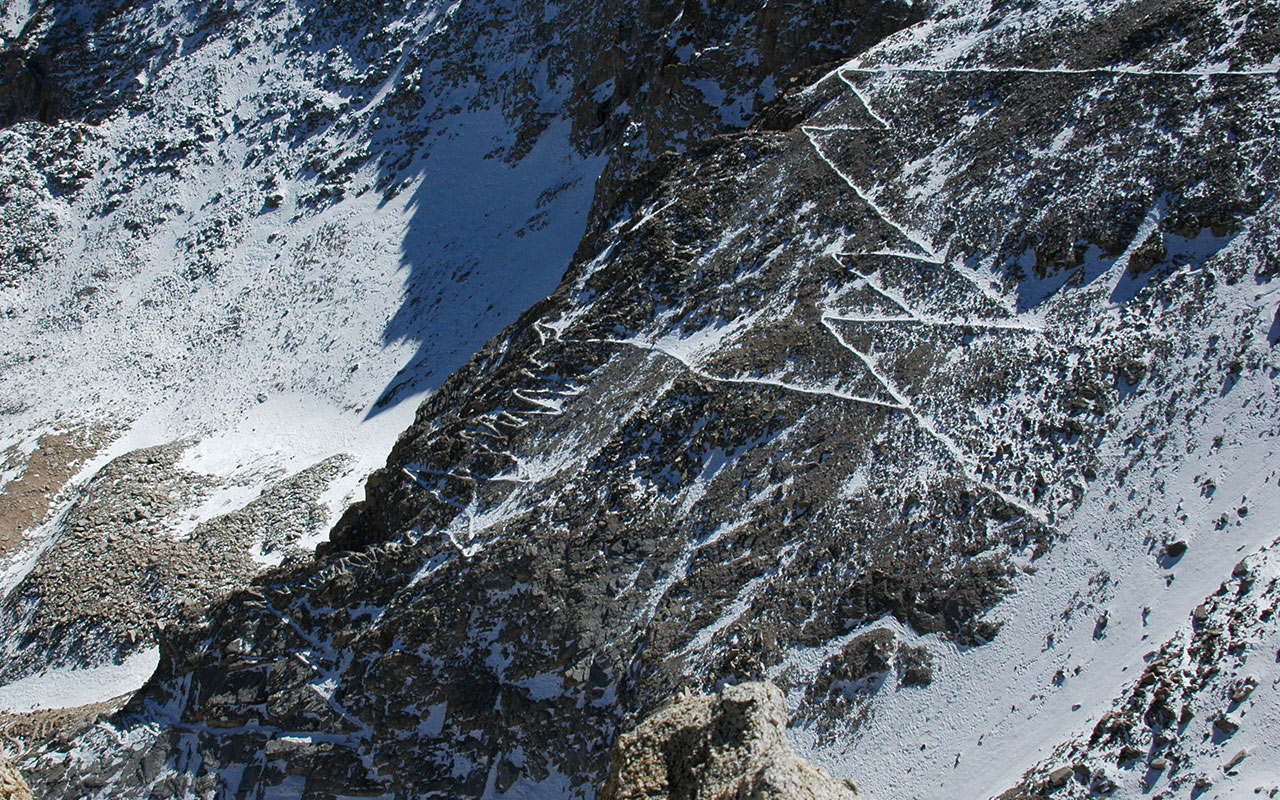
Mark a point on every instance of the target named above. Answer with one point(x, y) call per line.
point(960, 322)
point(917, 238)
point(773, 383)
point(929, 255)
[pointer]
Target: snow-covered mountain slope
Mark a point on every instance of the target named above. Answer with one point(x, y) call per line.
point(240, 242)
point(944, 397)
point(222, 260)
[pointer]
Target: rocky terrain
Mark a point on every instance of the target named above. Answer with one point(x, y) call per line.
point(185, 192)
point(919, 359)
point(1175, 729)
point(115, 575)
point(730, 745)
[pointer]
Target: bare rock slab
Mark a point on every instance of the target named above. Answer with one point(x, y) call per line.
point(726, 746)
point(12, 786)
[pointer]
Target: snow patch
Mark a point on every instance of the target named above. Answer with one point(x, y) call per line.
point(69, 688)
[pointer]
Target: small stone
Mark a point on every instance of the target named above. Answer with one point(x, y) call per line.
point(1129, 753)
point(1226, 725)
point(1242, 692)
point(1103, 786)
point(1235, 761)
point(1059, 777)
point(1175, 549)
point(1159, 764)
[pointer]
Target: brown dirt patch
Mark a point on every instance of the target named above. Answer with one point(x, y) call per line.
point(25, 500)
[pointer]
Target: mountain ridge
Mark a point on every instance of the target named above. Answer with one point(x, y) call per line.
point(901, 398)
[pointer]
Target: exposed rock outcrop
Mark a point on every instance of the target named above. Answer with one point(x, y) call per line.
point(724, 746)
point(12, 786)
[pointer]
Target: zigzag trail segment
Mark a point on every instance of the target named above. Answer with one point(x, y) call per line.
point(929, 255)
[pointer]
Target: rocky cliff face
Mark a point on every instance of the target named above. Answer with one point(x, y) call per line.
point(941, 396)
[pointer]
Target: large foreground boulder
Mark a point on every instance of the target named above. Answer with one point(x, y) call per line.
point(727, 746)
point(12, 786)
